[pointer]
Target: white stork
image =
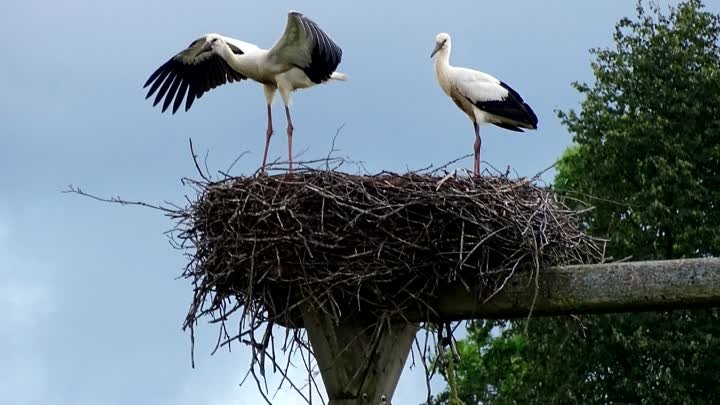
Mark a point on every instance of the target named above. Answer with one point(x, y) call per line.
point(482, 97)
point(303, 57)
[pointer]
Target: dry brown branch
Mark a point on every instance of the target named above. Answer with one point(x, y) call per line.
point(264, 248)
point(269, 247)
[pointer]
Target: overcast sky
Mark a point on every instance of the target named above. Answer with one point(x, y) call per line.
point(92, 309)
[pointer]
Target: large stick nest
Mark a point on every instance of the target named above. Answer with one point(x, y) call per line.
point(272, 246)
point(263, 249)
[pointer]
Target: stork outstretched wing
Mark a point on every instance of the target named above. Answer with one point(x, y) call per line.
point(305, 45)
point(192, 72)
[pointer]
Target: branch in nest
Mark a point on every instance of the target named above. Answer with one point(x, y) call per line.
point(262, 249)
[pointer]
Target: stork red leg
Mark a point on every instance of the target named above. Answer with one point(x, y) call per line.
point(289, 134)
point(268, 134)
point(478, 142)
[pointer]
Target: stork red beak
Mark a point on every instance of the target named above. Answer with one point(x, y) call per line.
point(438, 47)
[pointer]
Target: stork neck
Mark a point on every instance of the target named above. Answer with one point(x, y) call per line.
point(227, 54)
point(442, 59)
point(240, 63)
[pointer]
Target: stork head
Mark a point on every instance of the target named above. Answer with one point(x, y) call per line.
point(442, 41)
point(212, 44)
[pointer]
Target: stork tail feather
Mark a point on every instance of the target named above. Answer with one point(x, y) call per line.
point(339, 76)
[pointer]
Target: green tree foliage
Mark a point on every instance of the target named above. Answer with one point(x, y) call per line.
point(648, 136)
point(646, 154)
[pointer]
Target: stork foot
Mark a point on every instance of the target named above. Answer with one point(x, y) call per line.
point(268, 135)
point(476, 163)
point(289, 135)
point(290, 129)
point(476, 149)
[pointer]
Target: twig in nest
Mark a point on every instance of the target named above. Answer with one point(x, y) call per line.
point(197, 166)
point(265, 248)
point(117, 200)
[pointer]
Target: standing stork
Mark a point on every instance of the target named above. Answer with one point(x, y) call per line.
point(303, 57)
point(482, 97)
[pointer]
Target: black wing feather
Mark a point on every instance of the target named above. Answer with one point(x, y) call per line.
point(164, 88)
point(158, 80)
point(156, 73)
point(512, 107)
point(177, 79)
point(326, 54)
point(235, 49)
point(181, 94)
point(508, 126)
point(171, 92)
point(192, 95)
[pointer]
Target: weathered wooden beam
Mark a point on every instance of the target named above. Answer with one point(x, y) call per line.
point(360, 362)
point(595, 288)
point(601, 288)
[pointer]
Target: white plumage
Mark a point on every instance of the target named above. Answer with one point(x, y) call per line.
point(303, 57)
point(482, 97)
